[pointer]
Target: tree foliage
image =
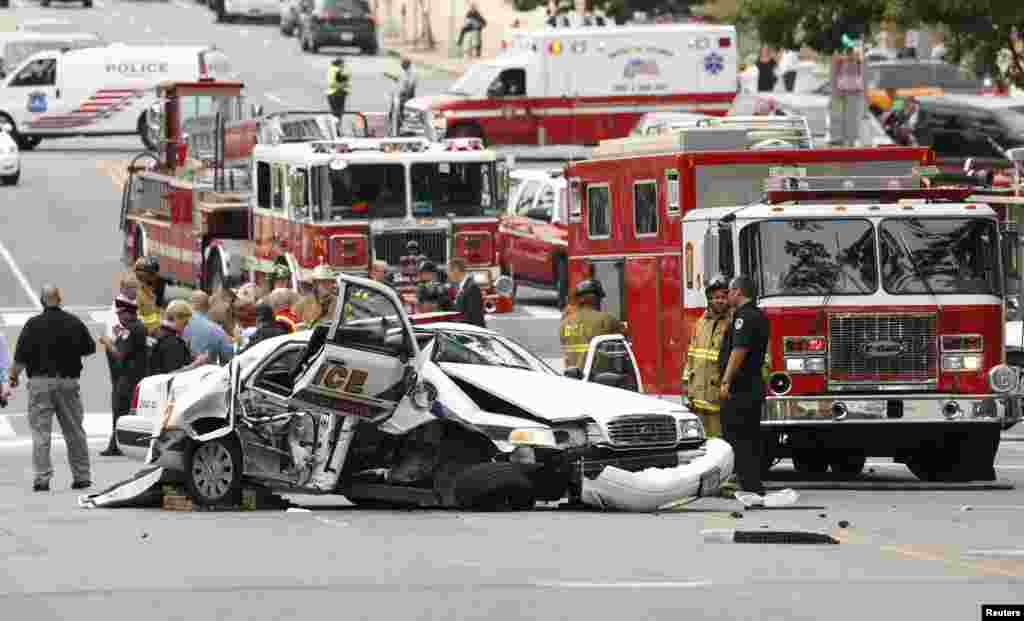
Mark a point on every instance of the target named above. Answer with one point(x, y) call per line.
point(981, 32)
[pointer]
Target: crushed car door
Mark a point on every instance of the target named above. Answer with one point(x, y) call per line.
point(367, 363)
point(610, 361)
point(268, 388)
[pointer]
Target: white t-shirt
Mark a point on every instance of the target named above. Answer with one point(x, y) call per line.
point(789, 61)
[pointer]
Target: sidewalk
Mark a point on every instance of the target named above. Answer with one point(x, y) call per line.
point(435, 60)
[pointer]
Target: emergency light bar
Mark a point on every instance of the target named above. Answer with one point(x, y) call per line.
point(790, 184)
point(799, 183)
point(396, 145)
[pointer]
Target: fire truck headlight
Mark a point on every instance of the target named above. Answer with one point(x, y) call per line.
point(812, 364)
point(504, 286)
point(690, 429)
point(1002, 378)
point(482, 278)
point(961, 363)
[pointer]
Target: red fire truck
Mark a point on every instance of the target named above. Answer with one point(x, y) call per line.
point(886, 299)
point(231, 198)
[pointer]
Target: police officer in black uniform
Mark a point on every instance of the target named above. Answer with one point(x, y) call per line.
point(742, 389)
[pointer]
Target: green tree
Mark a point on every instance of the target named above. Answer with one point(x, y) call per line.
point(982, 32)
point(817, 24)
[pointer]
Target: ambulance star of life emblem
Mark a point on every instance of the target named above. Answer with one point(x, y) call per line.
point(714, 63)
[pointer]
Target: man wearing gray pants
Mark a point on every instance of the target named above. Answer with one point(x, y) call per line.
point(50, 349)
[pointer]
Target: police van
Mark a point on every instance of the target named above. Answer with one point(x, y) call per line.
point(15, 47)
point(102, 91)
point(583, 85)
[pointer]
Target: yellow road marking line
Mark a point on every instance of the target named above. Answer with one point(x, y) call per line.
point(937, 553)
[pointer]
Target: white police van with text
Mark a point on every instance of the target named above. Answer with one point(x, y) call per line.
point(103, 91)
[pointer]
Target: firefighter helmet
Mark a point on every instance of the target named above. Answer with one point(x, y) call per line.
point(590, 287)
point(323, 272)
point(148, 264)
point(715, 284)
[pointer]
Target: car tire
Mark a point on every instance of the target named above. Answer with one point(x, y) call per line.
point(27, 143)
point(213, 472)
point(87, 4)
point(148, 140)
point(494, 487)
point(11, 179)
point(302, 42)
point(44, 3)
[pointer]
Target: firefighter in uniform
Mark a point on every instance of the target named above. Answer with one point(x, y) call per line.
point(584, 322)
point(338, 78)
point(742, 391)
point(701, 374)
point(326, 290)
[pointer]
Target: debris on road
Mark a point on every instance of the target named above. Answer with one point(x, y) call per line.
point(724, 535)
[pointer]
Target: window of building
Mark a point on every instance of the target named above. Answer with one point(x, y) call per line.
point(645, 207)
point(598, 212)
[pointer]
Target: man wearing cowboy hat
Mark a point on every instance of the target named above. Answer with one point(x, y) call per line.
point(128, 355)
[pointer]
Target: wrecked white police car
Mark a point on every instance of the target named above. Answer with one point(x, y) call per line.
point(436, 415)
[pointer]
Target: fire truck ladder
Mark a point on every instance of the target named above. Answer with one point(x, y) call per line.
point(728, 133)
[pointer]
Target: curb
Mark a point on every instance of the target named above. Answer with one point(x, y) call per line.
point(892, 485)
point(419, 61)
point(16, 426)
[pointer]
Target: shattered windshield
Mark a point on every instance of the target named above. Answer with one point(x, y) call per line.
point(443, 188)
point(955, 255)
point(482, 349)
point(812, 257)
point(362, 191)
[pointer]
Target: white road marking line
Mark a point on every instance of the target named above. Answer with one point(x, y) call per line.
point(330, 522)
point(6, 430)
point(20, 276)
point(995, 553)
point(623, 585)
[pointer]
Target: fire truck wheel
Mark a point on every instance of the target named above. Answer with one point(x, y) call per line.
point(848, 466)
point(806, 462)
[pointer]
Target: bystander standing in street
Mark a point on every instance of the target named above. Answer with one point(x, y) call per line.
point(171, 352)
point(325, 286)
point(742, 390)
point(338, 83)
point(766, 66)
point(50, 349)
point(224, 306)
point(469, 300)
point(789, 61)
point(128, 358)
point(472, 32)
point(205, 336)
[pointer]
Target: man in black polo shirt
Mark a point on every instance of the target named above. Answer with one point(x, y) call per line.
point(50, 349)
point(742, 390)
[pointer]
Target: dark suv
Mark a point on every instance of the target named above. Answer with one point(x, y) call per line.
point(343, 23)
point(965, 126)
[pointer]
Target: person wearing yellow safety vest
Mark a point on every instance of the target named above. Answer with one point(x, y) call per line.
point(338, 78)
point(585, 321)
point(701, 375)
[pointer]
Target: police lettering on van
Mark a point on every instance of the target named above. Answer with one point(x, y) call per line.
point(137, 68)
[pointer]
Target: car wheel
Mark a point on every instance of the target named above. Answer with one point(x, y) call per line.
point(44, 3)
point(302, 42)
point(87, 4)
point(11, 179)
point(213, 472)
point(313, 47)
point(809, 463)
point(149, 139)
point(494, 487)
point(27, 143)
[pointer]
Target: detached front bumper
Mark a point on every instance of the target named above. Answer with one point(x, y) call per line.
point(697, 472)
point(784, 411)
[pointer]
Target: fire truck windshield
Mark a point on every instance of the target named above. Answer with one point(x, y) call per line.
point(464, 190)
point(475, 81)
point(954, 255)
point(811, 257)
point(362, 192)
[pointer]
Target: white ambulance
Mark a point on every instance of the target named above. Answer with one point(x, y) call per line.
point(102, 91)
point(583, 85)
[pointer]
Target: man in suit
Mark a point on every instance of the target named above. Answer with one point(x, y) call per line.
point(468, 299)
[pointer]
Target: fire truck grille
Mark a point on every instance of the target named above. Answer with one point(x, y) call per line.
point(882, 349)
point(390, 246)
point(642, 430)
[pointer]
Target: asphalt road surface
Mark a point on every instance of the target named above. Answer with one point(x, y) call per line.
point(906, 554)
